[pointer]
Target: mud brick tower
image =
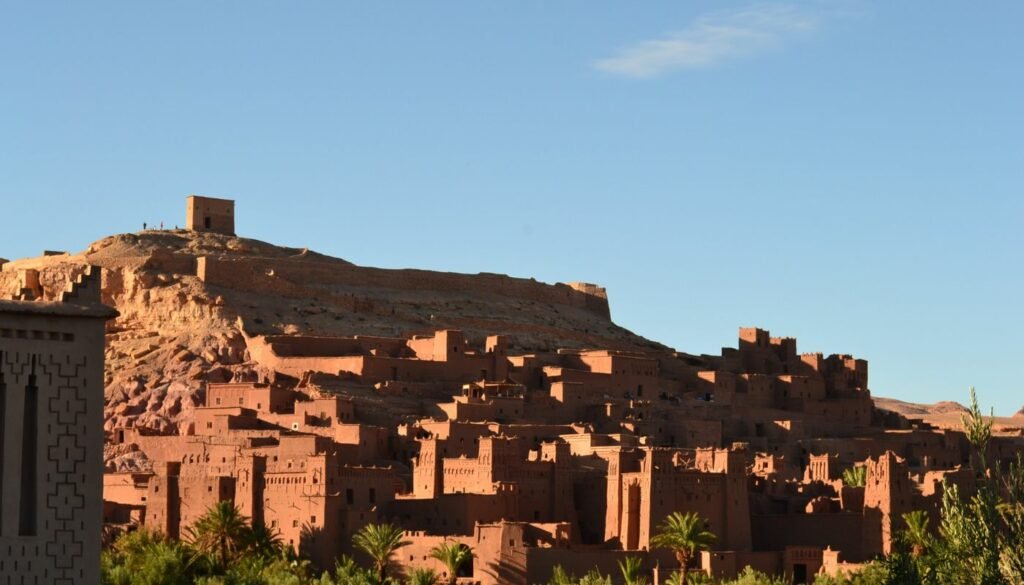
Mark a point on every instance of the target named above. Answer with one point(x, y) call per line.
point(51, 436)
point(208, 214)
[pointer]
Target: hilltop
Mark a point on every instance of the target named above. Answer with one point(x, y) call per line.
point(186, 297)
point(946, 415)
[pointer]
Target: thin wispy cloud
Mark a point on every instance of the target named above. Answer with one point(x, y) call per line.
point(710, 40)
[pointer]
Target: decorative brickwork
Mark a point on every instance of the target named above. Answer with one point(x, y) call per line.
point(51, 437)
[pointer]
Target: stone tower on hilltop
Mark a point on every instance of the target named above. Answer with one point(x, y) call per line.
point(209, 214)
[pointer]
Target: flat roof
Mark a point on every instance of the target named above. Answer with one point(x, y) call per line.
point(58, 309)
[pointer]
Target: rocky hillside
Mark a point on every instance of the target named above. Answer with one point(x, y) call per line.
point(184, 298)
point(945, 415)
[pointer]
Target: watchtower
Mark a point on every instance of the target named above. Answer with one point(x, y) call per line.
point(209, 214)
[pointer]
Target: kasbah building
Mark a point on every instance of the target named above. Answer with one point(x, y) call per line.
point(570, 457)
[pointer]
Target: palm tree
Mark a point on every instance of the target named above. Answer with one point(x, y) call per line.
point(560, 577)
point(422, 577)
point(684, 534)
point(379, 542)
point(453, 555)
point(631, 571)
point(264, 541)
point(856, 476)
point(917, 532)
point(220, 534)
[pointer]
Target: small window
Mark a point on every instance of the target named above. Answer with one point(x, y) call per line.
point(373, 496)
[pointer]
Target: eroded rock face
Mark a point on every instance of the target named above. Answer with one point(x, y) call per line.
point(184, 298)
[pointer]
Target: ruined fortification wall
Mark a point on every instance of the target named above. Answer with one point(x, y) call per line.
point(292, 277)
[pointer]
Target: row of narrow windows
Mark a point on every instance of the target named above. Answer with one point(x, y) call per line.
point(29, 472)
point(36, 334)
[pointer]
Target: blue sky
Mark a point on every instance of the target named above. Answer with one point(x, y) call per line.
point(848, 173)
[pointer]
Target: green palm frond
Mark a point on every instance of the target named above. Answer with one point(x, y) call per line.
point(379, 542)
point(685, 534)
point(453, 555)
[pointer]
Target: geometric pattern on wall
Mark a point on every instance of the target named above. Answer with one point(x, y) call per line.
point(56, 554)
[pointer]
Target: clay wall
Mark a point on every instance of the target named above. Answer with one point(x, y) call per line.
point(755, 391)
point(801, 563)
point(822, 467)
point(417, 553)
point(500, 551)
point(126, 488)
point(798, 391)
point(209, 214)
point(158, 449)
point(453, 514)
point(374, 368)
point(312, 346)
point(457, 431)
point(467, 476)
point(812, 363)
point(327, 411)
point(359, 443)
point(367, 487)
point(844, 415)
point(199, 494)
point(296, 508)
point(461, 410)
point(533, 435)
point(587, 444)
point(753, 338)
point(162, 503)
point(888, 494)
point(718, 385)
point(262, 398)
point(841, 531)
point(574, 401)
point(608, 371)
point(427, 469)
point(692, 432)
point(664, 493)
point(217, 421)
point(287, 275)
